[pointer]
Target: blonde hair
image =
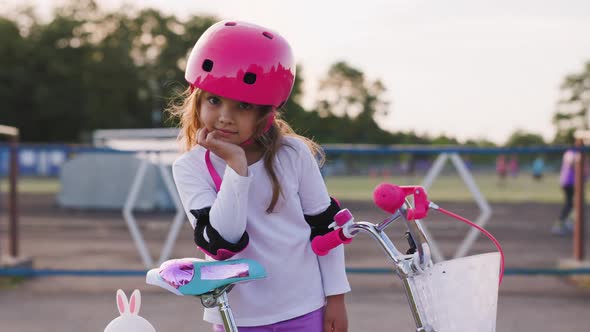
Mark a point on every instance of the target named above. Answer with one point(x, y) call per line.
point(187, 110)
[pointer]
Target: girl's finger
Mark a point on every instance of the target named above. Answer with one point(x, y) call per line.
point(202, 135)
point(212, 137)
point(199, 131)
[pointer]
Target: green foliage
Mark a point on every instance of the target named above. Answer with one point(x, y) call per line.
point(521, 138)
point(86, 70)
point(14, 84)
point(444, 140)
point(484, 143)
point(347, 108)
point(572, 109)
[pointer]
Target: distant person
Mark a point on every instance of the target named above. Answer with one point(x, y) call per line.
point(251, 187)
point(501, 168)
point(513, 167)
point(564, 224)
point(538, 168)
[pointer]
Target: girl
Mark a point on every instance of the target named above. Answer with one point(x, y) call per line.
point(251, 187)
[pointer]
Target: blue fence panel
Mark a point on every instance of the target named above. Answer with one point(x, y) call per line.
point(35, 160)
point(4, 160)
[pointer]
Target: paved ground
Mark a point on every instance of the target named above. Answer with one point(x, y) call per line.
point(99, 240)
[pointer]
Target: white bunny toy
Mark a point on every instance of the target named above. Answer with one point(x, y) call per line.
point(129, 320)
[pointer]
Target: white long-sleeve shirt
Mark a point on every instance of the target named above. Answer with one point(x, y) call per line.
point(297, 280)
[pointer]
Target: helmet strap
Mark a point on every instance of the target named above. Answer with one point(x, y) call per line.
point(271, 119)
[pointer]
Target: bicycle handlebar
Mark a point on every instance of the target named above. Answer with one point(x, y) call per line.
point(392, 199)
point(322, 244)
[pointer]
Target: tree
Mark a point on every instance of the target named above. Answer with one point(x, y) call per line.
point(572, 108)
point(480, 142)
point(444, 140)
point(348, 105)
point(14, 80)
point(521, 138)
point(58, 53)
point(87, 69)
point(345, 92)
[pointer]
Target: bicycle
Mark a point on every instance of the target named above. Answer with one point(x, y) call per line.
point(438, 294)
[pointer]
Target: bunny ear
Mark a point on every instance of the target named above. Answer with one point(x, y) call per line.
point(135, 302)
point(122, 301)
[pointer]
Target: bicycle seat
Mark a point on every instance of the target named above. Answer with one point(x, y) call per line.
point(193, 276)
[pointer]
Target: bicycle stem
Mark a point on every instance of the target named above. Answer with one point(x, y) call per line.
point(382, 225)
point(414, 227)
point(405, 267)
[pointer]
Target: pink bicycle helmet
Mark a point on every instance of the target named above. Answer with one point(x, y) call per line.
point(244, 62)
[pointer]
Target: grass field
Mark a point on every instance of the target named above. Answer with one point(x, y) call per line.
point(452, 188)
point(33, 185)
point(445, 188)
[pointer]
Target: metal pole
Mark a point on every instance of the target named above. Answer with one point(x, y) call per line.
point(13, 206)
point(130, 201)
point(227, 316)
point(1, 207)
point(578, 236)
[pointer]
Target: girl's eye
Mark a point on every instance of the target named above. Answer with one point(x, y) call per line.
point(246, 106)
point(213, 100)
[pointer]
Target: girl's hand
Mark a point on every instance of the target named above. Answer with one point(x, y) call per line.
point(335, 319)
point(233, 154)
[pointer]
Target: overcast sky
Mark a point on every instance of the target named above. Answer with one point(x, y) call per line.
point(469, 69)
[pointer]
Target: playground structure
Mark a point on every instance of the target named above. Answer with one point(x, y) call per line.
point(162, 152)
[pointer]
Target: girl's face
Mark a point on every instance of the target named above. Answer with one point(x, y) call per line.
point(234, 120)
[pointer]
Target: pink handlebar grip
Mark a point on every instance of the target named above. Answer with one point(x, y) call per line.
point(321, 245)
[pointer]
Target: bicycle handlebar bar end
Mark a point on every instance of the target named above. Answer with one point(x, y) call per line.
point(342, 217)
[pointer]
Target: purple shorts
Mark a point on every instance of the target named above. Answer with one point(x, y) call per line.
point(311, 322)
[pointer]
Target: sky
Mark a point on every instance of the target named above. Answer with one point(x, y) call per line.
point(468, 69)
